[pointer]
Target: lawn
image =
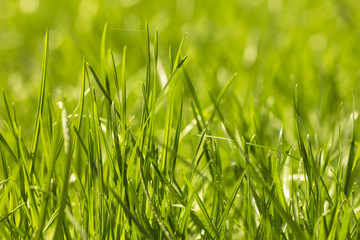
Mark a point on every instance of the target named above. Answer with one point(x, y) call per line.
point(185, 119)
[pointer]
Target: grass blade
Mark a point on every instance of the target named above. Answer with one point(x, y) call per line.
point(64, 192)
point(203, 209)
point(230, 201)
point(351, 159)
point(40, 107)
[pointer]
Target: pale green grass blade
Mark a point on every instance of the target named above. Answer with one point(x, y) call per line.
point(171, 62)
point(148, 66)
point(103, 56)
point(82, 95)
point(163, 90)
point(123, 82)
point(165, 165)
point(178, 55)
point(51, 221)
point(184, 221)
point(275, 173)
point(156, 57)
point(98, 153)
point(64, 192)
point(50, 115)
point(40, 107)
point(343, 234)
point(76, 224)
point(44, 202)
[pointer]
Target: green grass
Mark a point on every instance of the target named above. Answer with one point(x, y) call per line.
point(173, 165)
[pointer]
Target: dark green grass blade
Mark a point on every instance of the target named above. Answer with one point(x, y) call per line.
point(227, 129)
point(305, 149)
point(7, 147)
point(221, 95)
point(198, 155)
point(17, 230)
point(176, 139)
point(97, 80)
point(115, 75)
point(348, 184)
point(117, 150)
point(186, 162)
point(9, 114)
point(203, 209)
point(132, 216)
point(164, 181)
point(230, 201)
point(195, 97)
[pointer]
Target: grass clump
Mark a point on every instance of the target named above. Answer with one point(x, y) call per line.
point(178, 169)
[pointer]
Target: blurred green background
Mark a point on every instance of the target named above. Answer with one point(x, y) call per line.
point(271, 44)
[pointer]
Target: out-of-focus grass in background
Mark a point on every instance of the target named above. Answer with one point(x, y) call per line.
point(270, 44)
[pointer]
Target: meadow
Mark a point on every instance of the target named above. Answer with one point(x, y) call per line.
point(179, 119)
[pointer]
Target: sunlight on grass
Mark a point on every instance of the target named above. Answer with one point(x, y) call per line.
point(230, 121)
